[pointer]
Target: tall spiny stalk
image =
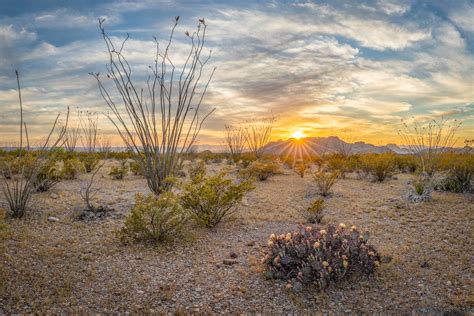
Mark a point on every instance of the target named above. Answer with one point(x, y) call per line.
point(161, 121)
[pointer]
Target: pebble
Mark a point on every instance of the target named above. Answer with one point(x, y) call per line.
point(54, 196)
point(53, 219)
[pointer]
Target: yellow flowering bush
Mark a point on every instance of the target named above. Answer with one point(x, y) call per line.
point(320, 257)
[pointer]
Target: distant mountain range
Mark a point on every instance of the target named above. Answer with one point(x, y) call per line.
point(323, 145)
point(332, 144)
point(312, 145)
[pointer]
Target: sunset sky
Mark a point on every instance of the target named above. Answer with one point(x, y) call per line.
point(320, 67)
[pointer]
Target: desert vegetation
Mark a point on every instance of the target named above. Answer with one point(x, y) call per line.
point(162, 227)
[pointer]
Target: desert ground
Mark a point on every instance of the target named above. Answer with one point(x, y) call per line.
point(71, 266)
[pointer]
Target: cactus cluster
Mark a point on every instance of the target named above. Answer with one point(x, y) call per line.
point(319, 256)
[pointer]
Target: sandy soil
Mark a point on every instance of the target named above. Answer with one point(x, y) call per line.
point(74, 266)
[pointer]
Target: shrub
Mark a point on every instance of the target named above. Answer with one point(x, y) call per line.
point(153, 219)
point(325, 181)
point(319, 257)
point(338, 163)
point(213, 198)
point(197, 171)
point(135, 168)
point(71, 169)
point(48, 176)
point(405, 163)
point(314, 213)
point(89, 161)
point(460, 172)
point(118, 173)
point(261, 170)
point(246, 159)
point(421, 188)
point(300, 169)
point(380, 166)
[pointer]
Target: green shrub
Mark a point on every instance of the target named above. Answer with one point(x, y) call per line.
point(325, 181)
point(154, 219)
point(319, 257)
point(246, 159)
point(48, 176)
point(421, 188)
point(213, 198)
point(314, 213)
point(380, 166)
point(118, 173)
point(405, 163)
point(89, 160)
point(338, 163)
point(261, 170)
point(71, 169)
point(460, 172)
point(135, 168)
point(197, 171)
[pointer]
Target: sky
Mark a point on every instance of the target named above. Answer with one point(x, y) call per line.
point(324, 68)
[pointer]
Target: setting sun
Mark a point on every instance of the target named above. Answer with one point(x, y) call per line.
point(297, 135)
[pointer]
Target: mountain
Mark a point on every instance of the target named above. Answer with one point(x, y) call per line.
point(322, 145)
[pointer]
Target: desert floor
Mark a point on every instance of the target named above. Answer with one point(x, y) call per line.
point(80, 267)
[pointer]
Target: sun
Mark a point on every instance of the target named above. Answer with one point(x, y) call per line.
point(297, 135)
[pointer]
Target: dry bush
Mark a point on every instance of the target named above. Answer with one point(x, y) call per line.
point(89, 122)
point(300, 169)
point(235, 141)
point(428, 140)
point(325, 181)
point(154, 219)
point(18, 188)
point(162, 120)
point(213, 198)
point(87, 193)
point(261, 170)
point(257, 135)
point(312, 257)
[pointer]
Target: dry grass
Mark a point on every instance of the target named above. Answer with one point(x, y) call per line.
point(78, 267)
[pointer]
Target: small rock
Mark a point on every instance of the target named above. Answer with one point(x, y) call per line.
point(425, 264)
point(53, 219)
point(233, 255)
point(386, 259)
point(251, 243)
point(54, 196)
point(229, 262)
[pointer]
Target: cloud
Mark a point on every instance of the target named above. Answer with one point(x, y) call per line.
point(314, 66)
point(463, 17)
point(9, 35)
